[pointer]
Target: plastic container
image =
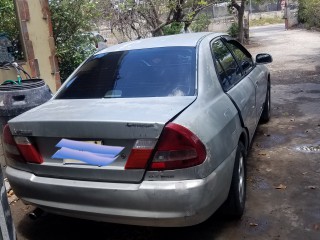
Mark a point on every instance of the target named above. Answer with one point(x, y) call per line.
point(16, 99)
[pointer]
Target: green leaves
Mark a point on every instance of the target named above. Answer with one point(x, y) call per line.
point(309, 12)
point(233, 30)
point(9, 25)
point(8, 22)
point(201, 23)
point(71, 20)
point(173, 28)
point(202, 3)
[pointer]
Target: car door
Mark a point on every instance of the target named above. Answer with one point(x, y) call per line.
point(259, 78)
point(249, 69)
point(237, 85)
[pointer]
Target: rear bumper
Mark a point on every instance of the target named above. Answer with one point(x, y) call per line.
point(150, 203)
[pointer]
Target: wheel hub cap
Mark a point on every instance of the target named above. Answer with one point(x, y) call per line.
point(241, 179)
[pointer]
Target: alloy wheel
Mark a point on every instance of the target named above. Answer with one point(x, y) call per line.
point(241, 185)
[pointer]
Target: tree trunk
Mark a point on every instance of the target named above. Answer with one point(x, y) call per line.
point(240, 25)
point(186, 26)
point(157, 33)
point(240, 9)
point(279, 5)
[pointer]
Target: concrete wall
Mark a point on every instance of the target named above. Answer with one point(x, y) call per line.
point(11, 73)
point(220, 10)
point(275, 14)
point(7, 75)
point(293, 18)
point(36, 30)
point(221, 24)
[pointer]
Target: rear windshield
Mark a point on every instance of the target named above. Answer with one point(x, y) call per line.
point(155, 72)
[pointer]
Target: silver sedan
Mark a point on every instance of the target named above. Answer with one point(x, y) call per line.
point(152, 132)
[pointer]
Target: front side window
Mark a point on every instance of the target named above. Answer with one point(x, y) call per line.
point(244, 59)
point(227, 68)
point(154, 72)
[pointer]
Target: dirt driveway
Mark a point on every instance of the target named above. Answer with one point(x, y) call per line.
point(283, 198)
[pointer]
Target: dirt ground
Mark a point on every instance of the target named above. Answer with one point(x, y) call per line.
point(283, 197)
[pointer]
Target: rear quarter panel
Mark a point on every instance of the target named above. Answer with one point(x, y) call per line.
point(212, 117)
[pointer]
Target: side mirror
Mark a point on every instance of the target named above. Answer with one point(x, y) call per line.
point(263, 58)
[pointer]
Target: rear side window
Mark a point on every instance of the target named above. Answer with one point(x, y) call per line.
point(155, 72)
point(227, 68)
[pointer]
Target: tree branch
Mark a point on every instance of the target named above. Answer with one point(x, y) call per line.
point(154, 11)
point(162, 25)
point(235, 5)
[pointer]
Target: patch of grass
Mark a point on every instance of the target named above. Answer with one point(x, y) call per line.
point(266, 21)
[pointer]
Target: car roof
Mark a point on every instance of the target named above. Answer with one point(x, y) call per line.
point(183, 40)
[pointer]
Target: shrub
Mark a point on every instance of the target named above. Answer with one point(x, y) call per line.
point(201, 23)
point(309, 12)
point(71, 20)
point(233, 30)
point(173, 28)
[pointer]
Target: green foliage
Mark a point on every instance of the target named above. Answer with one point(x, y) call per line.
point(302, 11)
point(201, 23)
point(233, 30)
point(9, 26)
point(173, 28)
point(202, 2)
point(309, 12)
point(71, 19)
point(8, 23)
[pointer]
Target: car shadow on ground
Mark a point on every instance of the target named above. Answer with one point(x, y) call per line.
point(59, 227)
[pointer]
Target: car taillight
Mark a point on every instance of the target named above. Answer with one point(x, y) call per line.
point(178, 148)
point(20, 148)
point(10, 147)
point(140, 154)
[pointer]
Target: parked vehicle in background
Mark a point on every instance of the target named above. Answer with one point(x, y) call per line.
point(7, 230)
point(95, 42)
point(152, 132)
point(99, 41)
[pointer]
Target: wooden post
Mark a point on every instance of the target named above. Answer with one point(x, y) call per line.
point(286, 14)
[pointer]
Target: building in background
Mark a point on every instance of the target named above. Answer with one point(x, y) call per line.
point(37, 43)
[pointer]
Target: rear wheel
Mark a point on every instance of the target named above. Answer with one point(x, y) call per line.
point(235, 203)
point(266, 113)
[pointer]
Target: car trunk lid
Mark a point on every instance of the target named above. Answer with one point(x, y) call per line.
point(113, 124)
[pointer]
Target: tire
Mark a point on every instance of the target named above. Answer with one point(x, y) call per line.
point(235, 203)
point(266, 113)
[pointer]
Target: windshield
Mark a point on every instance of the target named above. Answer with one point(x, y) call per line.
point(155, 72)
